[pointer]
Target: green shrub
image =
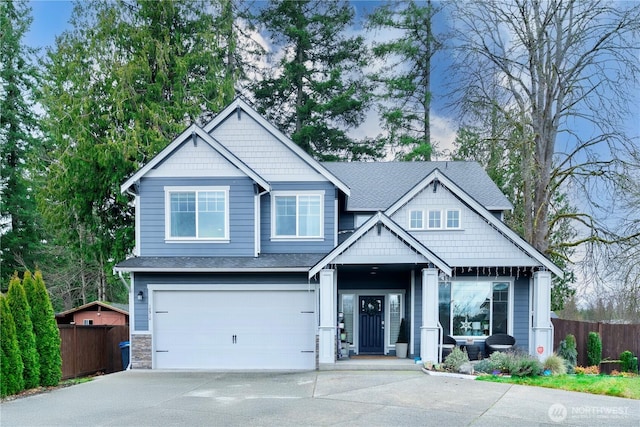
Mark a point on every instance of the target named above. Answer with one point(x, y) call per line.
point(456, 359)
point(11, 381)
point(484, 366)
point(628, 363)
point(594, 349)
point(567, 350)
point(526, 367)
point(21, 312)
point(555, 364)
point(502, 361)
point(45, 328)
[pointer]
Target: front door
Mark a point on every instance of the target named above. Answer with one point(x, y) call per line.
point(371, 324)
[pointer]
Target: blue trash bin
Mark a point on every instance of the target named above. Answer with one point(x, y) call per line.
point(124, 351)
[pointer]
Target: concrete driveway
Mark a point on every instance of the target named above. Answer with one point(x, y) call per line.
point(326, 398)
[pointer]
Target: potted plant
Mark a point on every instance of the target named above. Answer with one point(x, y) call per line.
point(402, 343)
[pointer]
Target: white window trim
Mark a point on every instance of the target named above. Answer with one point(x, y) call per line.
point(427, 223)
point(167, 217)
point(410, 219)
point(446, 219)
point(510, 303)
point(297, 194)
point(443, 220)
point(388, 345)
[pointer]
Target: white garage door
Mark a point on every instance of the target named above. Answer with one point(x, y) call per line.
point(229, 329)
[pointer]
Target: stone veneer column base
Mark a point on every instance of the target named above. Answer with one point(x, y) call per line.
point(141, 351)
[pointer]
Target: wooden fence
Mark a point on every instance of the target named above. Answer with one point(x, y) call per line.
point(616, 338)
point(89, 349)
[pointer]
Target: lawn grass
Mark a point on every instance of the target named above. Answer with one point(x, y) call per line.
point(618, 386)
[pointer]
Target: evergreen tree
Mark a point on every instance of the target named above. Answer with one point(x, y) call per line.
point(405, 76)
point(11, 381)
point(45, 328)
point(21, 313)
point(119, 86)
point(317, 93)
point(18, 77)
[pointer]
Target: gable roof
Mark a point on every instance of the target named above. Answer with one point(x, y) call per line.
point(377, 185)
point(501, 227)
point(240, 105)
point(383, 220)
point(190, 132)
point(120, 308)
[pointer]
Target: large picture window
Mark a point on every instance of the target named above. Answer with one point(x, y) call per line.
point(297, 215)
point(200, 213)
point(474, 308)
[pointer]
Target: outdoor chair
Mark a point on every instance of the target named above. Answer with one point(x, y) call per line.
point(499, 342)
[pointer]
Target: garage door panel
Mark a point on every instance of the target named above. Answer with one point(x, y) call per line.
point(234, 329)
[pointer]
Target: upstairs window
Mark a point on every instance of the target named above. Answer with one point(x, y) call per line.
point(434, 219)
point(415, 220)
point(453, 219)
point(297, 215)
point(200, 214)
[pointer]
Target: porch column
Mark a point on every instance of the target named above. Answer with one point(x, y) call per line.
point(542, 326)
point(327, 329)
point(429, 329)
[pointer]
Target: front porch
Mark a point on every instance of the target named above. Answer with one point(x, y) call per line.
point(372, 363)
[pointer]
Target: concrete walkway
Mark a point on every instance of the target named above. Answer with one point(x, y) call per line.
point(325, 398)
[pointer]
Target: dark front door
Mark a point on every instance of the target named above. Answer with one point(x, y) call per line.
point(371, 324)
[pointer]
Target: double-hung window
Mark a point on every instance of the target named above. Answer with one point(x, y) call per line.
point(197, 213)
point(297, 215)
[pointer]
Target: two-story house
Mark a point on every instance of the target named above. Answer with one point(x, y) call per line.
point(247, 249)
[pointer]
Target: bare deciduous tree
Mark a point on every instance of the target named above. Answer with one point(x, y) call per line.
point(560, 72)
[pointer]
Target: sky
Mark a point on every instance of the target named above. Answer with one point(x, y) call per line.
point(50, 19)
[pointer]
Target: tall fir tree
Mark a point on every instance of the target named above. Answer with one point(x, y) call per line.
point(404, 100)
point(21, 313)
point(45, 328)
point(119, 86)
point(11, 381)
point(18, 81)
point(317, 91)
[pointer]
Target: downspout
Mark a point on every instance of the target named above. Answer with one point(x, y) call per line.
point(256, 219)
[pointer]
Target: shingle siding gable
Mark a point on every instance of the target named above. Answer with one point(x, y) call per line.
point(476, 244)
point(261, 151)
point(195, 160)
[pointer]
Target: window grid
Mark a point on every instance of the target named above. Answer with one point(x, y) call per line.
point(198, 214)
point(416, 220)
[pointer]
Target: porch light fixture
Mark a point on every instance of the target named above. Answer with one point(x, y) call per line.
point(140, 295)
point(435, 185)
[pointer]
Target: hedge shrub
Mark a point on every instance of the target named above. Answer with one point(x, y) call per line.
point(21, 312)
point(11, 370)
point(594, 349)
point(45, 328)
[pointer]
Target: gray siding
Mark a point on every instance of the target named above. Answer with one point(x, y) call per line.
point(311, 246)
point(241, 218)
point(521, 313)
point(141, 280)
